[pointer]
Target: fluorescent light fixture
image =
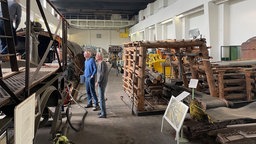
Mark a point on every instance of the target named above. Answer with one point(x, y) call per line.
point(140, 31)
point(180, 16)
point(220, 1)
point(193, 11)
point(166, 21)
point(151, 27)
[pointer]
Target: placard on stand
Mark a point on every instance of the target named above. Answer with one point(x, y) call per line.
point(175, 114)
point(193, 84)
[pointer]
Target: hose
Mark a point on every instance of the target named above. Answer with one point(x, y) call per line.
point(69, 116)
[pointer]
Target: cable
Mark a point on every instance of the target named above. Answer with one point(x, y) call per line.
point(69, 117)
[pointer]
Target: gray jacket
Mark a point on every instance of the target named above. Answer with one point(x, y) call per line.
point(102, 74)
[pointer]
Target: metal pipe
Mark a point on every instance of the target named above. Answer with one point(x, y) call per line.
point(27, 48)
point(64, 43)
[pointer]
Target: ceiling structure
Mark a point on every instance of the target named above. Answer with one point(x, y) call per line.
point(100, 9)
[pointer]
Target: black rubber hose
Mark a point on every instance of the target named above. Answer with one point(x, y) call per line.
point(69, 120)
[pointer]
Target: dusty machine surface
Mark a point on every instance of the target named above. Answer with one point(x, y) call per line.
point(48, 68)
point(224, 97)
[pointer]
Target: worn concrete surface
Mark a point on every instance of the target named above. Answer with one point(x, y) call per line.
point(120, 126)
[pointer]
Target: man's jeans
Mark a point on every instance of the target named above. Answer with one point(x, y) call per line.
point(90, 90)
point(101, 92)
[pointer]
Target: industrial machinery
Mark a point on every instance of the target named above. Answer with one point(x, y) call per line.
point(115, 57)
point(45, 72)
point(224, 100)
point(158, 64)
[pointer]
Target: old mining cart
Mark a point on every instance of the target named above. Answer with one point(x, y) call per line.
point(41, 72)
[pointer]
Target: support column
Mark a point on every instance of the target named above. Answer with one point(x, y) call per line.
point(178, 26)
point(146, 34)
point(224, 23)
point(212, 28)
point(164, 33)
point(158, 31)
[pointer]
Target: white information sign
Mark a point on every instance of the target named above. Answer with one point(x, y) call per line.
point(183, 95)
point(24, 121)
point(193, 83)
point(175, 113)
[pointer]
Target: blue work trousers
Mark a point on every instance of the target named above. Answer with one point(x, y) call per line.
point(90, 90)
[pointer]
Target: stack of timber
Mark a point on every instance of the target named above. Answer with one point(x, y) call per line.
point(153, 83)
point(236, 83)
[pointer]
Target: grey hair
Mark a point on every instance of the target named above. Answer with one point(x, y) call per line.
point(99, 54)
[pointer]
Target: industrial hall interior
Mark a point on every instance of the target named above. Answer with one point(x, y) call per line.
point(127, 72)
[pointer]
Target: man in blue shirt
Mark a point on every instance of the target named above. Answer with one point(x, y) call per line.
point(89, 74)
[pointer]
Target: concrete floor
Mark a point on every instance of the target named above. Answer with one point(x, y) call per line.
point(120, 126)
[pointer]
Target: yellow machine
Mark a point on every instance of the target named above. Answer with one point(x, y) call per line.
point(156, 62)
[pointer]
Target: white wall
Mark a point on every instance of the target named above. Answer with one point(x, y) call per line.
point(170, 31)
point(89, 37)
point(196, 20)
point(242, 21)
point(229, 22)
point(177, 7)
point(36, 16)
point(82, 37)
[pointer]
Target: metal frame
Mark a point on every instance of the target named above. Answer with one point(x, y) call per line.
point(52, 37)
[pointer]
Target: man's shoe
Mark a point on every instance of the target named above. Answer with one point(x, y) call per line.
point(88, 106)
point(96, 108)
point(102, 116)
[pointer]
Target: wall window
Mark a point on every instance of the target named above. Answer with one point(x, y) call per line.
point(98, 35)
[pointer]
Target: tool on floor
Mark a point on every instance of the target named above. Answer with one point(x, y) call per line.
point(61, 139)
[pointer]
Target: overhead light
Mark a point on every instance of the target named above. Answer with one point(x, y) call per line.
point(166, 21)
point(180, 16)
point(192, 11)
point(150, 27)
point(220, 1)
